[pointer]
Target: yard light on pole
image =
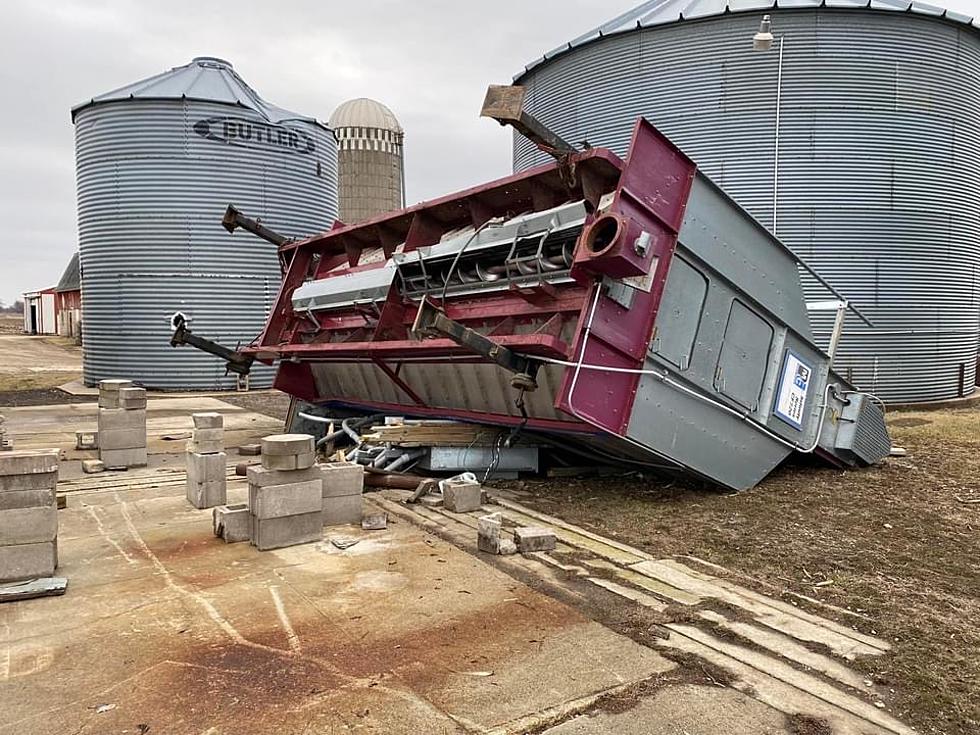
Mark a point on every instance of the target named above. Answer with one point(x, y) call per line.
point(762, 41)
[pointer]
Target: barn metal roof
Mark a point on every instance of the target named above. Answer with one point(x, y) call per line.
point(71, 279)
point(206, 78)
point(665, 12)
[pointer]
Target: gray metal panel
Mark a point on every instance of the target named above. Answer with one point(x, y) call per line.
point(151, 194)
point(680, 313)
point(744, 356)
point(879, 180)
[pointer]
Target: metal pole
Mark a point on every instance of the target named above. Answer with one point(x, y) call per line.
point(775, 165)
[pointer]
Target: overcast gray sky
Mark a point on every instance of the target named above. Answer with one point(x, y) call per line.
point(429, 60)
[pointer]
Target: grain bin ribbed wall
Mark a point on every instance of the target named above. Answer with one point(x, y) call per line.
point(154, 179)
point(879, 177)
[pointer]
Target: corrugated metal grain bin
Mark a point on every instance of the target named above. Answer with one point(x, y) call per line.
point(875, 179)
point(158, 162)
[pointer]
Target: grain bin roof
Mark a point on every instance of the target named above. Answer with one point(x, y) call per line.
point(207, 79)
point(664, 12)
point(364, 113)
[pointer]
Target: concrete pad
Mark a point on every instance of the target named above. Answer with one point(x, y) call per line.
point(683, 710)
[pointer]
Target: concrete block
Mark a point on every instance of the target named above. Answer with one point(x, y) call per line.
point(132, 404)
point(28, 525)
point(121, 418)
point(488, 533)
point(29, 462)
point(120, 459)
point(342, 510)
point(263, 477)
point(43, 498)
point(250, 450)
point(114, 385)
point(287, 444)
point(431, 501)
point(132, 393)
point(108, 400)
point(207, 494)
point(206, 467)
point(277, 533)
point(208, 435)
point(205, 447)
point(86, 440)
point(374, 522)
point(341, 478)
point(208, 420)
point(462, 497)
point(506, 547)
point(121, 439)
point(36, 481)
point(287, 461)
point(91, 466)
point(27, 561)
point(534, 538)
point(231, 523)
point(278, 501)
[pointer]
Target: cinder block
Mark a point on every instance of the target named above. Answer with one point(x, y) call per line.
point(132, 393)
point(250, 450)
point(534, 538)
point(36, 481)
point(86, 440)
point(121, 418)
point(208, 420)
point(208, 447)
point(263, 477)
point(277, 533)
point(120, 459)
point(13, 499)
point(121, 439)
point(114, 385)
point(109, 400)
point(132, 404)
point(342, 510)
point(26, 561)
point(209, 435)
point(231, 523)
point(91, 466)
point(462, 497)
point(28, 525)
point(488, 533)
point(287, 444)
point(206, 467)
point(207, 494)
point(278, 501)
point(29, 462)
point(287, 461)
point(341, 478)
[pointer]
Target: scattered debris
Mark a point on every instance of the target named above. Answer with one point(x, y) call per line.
point(898, 452)
point(489, 538)
point(31, 588)
point(425, 486)
point(91, 466)
point(103, 708)
point(343, 542)
point(968, 501)
point(375, 522)
point(431, 501)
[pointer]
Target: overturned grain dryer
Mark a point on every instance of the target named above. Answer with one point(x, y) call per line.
point(626, 307)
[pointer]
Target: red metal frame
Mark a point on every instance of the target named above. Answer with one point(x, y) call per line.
point(650, 193)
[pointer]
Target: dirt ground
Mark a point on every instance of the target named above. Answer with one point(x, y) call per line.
point(897, 543)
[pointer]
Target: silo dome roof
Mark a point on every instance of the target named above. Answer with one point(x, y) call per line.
point(206, 78)
point(664, 12)
point(364, 113)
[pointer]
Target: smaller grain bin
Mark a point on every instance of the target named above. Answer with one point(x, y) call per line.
point(372, 172)
point(158, 162)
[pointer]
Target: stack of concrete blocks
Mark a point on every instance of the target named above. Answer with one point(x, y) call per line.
point(285, 493)
point(122, 425)
point(489, 536)
point(343, 485)
point(207, 484)
point(6, 444)
point(28, 515)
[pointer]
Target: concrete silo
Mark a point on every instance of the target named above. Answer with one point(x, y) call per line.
point(158, 161)
point(855, 138)
point(371, 159)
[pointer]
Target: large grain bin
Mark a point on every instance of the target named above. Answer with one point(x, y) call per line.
point(855, 137)
point(158, 162)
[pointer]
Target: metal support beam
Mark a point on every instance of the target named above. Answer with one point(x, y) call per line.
point(505, 104)
point(234, 219)
point(235, 362)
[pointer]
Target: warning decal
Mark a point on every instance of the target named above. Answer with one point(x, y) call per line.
point(793, 388)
